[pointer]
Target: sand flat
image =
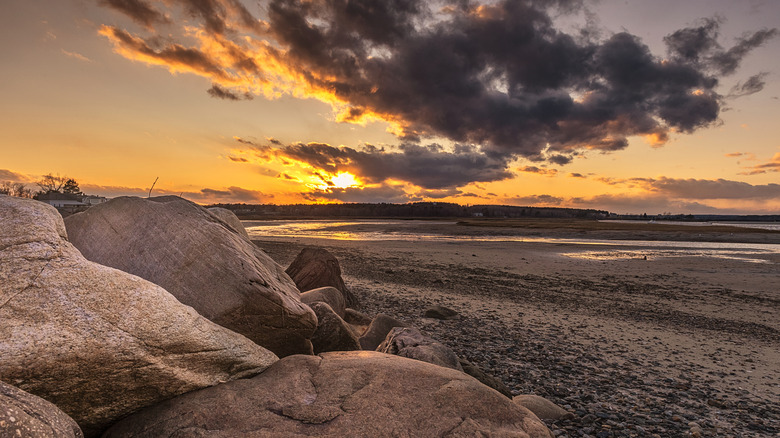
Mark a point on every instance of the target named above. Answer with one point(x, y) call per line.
point(631, 330)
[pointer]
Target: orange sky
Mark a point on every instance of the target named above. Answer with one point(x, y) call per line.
point(232, 101)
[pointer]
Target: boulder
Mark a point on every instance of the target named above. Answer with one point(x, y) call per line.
point(354, 317)
point(317, 267)
point(332, 334)
point(358, 321)
point(409, 342)
point(377, 331)
point(339, 394)
point(543, 408)
point(491, 381)
point(230, 219)
point(440, 312)
point(329, 295)
point(203, 262)
point(97, 342)
point(25, 415)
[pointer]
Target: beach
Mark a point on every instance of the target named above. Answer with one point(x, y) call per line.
point(635, 338)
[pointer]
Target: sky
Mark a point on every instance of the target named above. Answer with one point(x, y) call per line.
point(630, 106)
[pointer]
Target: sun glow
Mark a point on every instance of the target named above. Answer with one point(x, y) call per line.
point(344, 180)
point(341, 180)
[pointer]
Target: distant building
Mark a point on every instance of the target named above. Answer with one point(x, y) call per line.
point(93, 200)
point(61, 200)
point(68, 204)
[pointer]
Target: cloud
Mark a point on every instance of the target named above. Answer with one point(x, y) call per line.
point(176, 57)
point(752, 85)
point(772, 165)
point(238, 159)
point(699, 46)
point(642, 203)
point(536, 200)
point(11, 176)
point(75, 55)
point(428, 167)
point(538, 170)
point(701, 189)
point(231, 194)
point(138, 10)
point(577, 175)
point(204, 196)
point(219, 92)
point(499, 75)
point(381, 193)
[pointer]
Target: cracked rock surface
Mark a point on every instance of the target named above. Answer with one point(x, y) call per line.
point(203, 261)
point(97, 342)
point(337, 394)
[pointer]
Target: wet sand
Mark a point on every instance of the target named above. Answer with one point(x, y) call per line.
point(633, 342)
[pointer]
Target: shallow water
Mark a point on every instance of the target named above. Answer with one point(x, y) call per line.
point(589, 249)
point(772, 226)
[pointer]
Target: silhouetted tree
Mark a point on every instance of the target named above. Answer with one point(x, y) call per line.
point(52, 183)
point(71, 187)
point(15, 189)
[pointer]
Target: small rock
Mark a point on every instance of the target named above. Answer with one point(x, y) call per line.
point(440, 312)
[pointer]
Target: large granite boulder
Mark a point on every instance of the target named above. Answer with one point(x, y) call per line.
point(409, 342)
point(97, 342)
point(377, 331)
point(340, 394)
point(329, 295)
point(333, 333)
point(231, 219)
point(317, 267)
point(203, 262)
point(25, 415)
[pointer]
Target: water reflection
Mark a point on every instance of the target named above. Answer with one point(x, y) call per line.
point(415, 231)
point(649, 254)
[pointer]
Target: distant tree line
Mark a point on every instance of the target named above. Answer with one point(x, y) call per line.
point(409, 210)
point(48, 184)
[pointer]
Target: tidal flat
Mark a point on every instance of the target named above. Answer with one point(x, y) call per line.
point(639, 331)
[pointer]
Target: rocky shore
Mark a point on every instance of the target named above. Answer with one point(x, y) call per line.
point(158, 317)
point(678, 347)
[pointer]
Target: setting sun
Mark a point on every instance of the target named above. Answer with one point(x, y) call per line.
point(344, 180)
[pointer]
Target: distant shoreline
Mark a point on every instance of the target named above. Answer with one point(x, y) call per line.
point(555, 228)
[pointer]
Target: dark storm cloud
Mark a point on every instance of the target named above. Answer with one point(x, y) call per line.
point(139, 11)
point(728, 61)
point(699, 45)
point(219, 92)
point(503, 77)
point(429, 167)
point(499, 75)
